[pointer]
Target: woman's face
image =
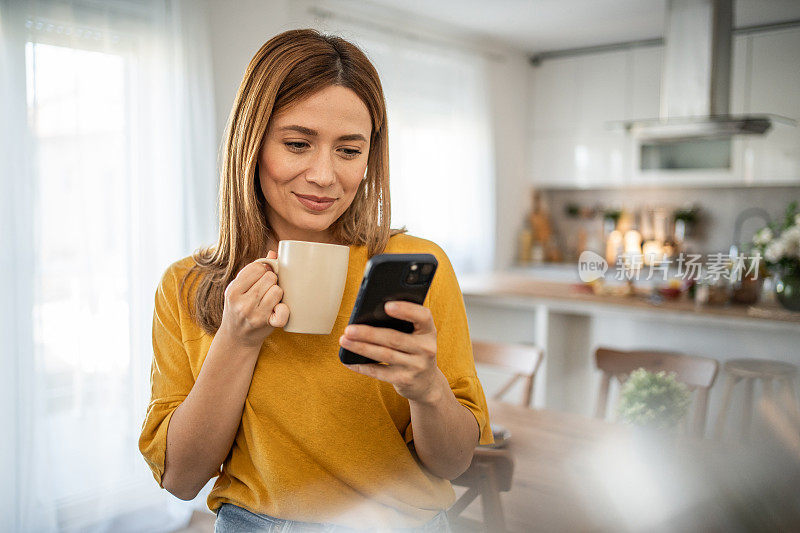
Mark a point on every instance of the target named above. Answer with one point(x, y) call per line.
point(312, 161)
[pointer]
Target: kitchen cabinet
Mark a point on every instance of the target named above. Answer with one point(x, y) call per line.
point(774, 87)
point(554, 95)
point(644, 91)
point(602, 89)
point(575, 99)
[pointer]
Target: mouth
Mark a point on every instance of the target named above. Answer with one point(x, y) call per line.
point(315, 203)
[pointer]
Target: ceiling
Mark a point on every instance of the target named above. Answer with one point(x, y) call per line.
point(545, 25)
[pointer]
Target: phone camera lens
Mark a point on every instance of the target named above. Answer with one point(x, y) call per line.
point(426, 269)
point(413, 277)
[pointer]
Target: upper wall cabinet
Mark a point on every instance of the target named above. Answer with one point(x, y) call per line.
point(774, 84)
point(556, 86)
point(644, 91)
point(775, 73)
point(573, 100)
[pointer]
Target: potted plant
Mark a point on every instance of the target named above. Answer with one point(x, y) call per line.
point(685, 218)
point(654, 400)
point(779, 245)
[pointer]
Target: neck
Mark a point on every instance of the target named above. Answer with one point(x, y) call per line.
point(282, 234)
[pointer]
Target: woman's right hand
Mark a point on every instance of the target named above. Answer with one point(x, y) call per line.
point(253, 306)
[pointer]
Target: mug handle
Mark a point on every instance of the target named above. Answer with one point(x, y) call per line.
point(269, 261)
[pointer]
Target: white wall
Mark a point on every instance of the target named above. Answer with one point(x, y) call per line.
point(508, 88)
point(238, 28)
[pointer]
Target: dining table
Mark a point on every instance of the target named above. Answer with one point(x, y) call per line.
point(576, 473)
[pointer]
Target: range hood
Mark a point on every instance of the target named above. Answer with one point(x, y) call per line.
point(696, 78)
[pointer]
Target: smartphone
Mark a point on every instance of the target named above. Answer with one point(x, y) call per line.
point(389, 277)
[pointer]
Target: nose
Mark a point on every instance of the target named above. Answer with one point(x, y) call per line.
point(321, 171)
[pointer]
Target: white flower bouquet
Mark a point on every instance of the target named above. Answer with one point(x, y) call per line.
point(779, 243)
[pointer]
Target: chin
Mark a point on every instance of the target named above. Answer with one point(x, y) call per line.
point(319, 223)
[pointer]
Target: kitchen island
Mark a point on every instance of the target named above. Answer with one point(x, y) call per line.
point(569, 321)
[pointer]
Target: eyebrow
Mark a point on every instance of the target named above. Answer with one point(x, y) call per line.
point(314, 133)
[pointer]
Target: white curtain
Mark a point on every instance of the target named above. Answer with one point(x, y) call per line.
point(107, 165)
point(440, 139)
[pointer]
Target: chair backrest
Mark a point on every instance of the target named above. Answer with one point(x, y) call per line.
point(520, 359)
point(697, 373)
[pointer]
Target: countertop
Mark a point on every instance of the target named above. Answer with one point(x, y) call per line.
point(524, 289)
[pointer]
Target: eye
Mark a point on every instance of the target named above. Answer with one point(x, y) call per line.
point(350, 153)
point(296, 146)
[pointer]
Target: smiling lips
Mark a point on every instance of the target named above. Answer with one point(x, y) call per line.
point(315, 203)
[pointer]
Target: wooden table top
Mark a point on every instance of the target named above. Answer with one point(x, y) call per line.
point(577, 473)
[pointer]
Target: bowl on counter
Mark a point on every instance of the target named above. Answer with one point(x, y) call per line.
point(670, 293)
point(672, 290)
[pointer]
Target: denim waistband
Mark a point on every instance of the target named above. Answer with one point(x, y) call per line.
point(234, 519)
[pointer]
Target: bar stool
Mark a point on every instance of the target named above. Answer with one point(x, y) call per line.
point(751, 370)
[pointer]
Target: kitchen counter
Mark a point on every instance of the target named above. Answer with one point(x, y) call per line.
point(561, 315)
point(524, 288)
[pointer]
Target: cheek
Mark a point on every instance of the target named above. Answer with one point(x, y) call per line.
point(277, 169)
point(352, 177)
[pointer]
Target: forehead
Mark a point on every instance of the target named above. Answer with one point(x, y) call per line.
point(334, 109)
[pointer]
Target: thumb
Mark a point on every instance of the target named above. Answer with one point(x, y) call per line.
point(272, 254)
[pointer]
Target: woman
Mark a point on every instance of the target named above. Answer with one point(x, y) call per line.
point(300, 436)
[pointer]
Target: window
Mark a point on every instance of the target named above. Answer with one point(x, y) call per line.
point(77, 118)
point(107, 159)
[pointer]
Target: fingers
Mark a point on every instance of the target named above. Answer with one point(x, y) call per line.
point(379, 353)
point(390, 346)
point(249, 275)
point(272, 296)
point(381, 372)
point(268, 280)
point(279, 316)
point(391, 338)
point(417, 314)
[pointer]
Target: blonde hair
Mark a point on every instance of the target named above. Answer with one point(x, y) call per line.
point(287, 68)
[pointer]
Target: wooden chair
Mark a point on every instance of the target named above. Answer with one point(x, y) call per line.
point(492, 469)
point(489, 474)
point(520, 359)
point(697, 373)
point(752, 370)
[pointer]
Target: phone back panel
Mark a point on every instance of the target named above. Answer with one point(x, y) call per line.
point(384, 281)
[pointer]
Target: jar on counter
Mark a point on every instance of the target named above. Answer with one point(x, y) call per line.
point(712, 290)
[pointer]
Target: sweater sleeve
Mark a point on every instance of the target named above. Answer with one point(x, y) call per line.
point(454, 347)
point(171, 377)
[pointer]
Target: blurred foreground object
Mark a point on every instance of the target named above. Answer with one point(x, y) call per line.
point(574, 473)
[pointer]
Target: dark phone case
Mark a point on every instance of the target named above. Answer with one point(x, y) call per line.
point(384, 282)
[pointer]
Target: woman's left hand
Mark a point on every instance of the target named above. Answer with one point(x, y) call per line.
point(410, 357)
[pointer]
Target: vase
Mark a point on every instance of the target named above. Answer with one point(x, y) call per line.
point(787, 290)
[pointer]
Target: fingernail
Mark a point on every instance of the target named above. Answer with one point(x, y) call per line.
point(350, 330)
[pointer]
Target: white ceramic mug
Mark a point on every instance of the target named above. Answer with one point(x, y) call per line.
point(312, 276)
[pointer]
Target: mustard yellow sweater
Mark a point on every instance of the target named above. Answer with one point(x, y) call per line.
point(317, 442)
